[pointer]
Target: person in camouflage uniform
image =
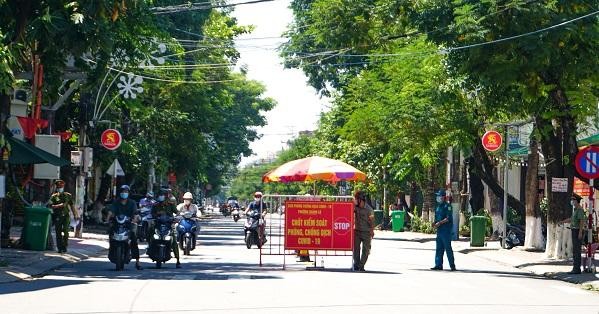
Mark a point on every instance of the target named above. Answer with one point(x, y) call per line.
point(164, 206)
point(61, 202)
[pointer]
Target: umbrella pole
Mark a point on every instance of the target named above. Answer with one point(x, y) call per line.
point(314, 187)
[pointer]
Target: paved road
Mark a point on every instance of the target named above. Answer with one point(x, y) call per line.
point(222, 276)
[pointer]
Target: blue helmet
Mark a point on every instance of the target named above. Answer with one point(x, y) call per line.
point(440, 193)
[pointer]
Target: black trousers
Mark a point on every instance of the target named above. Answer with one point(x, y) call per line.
point(576, 251)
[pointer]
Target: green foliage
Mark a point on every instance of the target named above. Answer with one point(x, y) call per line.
point(420, 225)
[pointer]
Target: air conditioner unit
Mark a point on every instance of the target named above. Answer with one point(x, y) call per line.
point(18, 104)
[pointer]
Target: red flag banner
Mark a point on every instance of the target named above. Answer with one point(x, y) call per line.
point(31, 125)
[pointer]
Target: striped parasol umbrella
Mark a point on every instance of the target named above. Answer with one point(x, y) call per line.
point(314, 169)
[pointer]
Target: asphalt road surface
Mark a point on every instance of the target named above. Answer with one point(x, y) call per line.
point(223, 276)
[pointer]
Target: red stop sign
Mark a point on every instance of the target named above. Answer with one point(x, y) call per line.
point(111, 139)
point(492, 141)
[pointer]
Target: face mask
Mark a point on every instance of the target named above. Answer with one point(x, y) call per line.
point(439, 199)
point(161, 198)
point(187, 202)
point(256, 199)
point(124, 195)
point(60, 190)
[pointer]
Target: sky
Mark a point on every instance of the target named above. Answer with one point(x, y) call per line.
point(298, 105)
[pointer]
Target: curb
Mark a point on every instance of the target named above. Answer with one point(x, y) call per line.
point(11, 274)
point(573, 279)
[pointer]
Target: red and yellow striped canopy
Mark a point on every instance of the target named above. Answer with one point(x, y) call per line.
point(314, 169)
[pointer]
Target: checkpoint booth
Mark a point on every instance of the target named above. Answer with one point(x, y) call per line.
point(315, 225)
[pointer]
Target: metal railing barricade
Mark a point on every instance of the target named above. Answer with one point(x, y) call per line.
point(275, 226)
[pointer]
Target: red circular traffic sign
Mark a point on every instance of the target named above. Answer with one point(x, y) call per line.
point(587, 162)
point(492, 141)
point(111, 139)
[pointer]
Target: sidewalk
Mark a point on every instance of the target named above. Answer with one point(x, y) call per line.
point(533, 262)
point(18, 264)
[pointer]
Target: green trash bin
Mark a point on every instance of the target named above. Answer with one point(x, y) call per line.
point(37, 222)
point(397, 220)
point(378, 217)
point(477, 230)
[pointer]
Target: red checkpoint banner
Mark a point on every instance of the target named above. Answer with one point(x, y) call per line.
point(315, 225)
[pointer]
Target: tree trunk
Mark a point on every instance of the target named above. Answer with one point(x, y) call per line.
point(477, 189)
point(534, 234)
point(484, 168)
point(496, 210)
point(559, 148)
point(428, 205)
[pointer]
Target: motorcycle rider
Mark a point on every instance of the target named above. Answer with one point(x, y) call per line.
point(258, 204)
point(125, 206)
point(147, 201)
point(164, 206)
point(187, 206)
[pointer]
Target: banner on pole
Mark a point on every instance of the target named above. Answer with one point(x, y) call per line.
point(315, 225)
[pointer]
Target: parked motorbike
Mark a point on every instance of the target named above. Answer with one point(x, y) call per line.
point(235, 214)
point(252, 229)
point(159, 248)
point(187, 233)
point(142, 228)
point(119, 251)
point(514, 237)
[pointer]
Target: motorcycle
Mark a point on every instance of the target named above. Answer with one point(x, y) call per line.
point(159, 248)
point(252, 229)
point(119, 251)
point(186, 231)
point(142, 228)
point(235, 214)
point(226, 211)
point(514, 237)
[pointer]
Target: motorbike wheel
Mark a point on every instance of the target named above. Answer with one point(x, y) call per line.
point(120, 263)
point(187, 249)
point(158, 265)
point(235, 218)
point(248, 240)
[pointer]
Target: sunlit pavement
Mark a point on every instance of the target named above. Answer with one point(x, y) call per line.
point(223, 276)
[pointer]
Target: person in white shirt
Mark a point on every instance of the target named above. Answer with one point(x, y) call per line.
point(188, 206)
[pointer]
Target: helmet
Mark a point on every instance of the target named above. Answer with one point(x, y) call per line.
point(150, 194)
point(258, 194)
point(187, 196)
point(163, 191)
point(59, 183)
point(124, 187)
point(440, 193)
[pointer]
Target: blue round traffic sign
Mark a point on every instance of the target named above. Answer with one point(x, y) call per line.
point(587, 162)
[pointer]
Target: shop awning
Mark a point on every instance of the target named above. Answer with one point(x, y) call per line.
point(25, 153)
point(523, 150)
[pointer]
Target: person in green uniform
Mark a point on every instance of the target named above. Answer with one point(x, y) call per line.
point(363, 230)
point(123, 205)
point(577, 226)
point(164, 206)
point(61, 203)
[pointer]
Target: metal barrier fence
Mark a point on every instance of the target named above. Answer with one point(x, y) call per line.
point(275, 226)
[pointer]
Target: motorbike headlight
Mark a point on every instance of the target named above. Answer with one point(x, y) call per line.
point(156, 237)
point(167, 238)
